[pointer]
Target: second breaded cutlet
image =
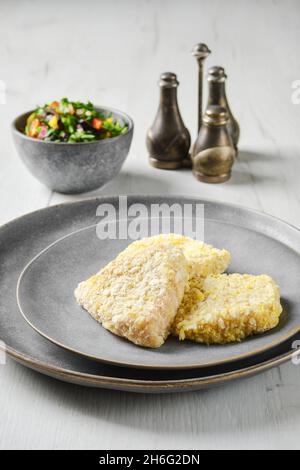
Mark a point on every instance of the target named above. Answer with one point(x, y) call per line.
point(203, 260)
point(227, 308)
point(137, 295)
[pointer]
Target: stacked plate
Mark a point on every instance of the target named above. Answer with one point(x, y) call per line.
point(45, 254)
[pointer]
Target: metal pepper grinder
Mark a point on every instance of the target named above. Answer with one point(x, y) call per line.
point(168, 140)
point(201, 52)
point(213, 152)
point(217, 96)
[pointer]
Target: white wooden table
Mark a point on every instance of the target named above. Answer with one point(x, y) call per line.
point(113, 53)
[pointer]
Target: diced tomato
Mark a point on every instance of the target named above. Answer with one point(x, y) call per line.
point(97, 123)
point(33, 131)
point(54, 104)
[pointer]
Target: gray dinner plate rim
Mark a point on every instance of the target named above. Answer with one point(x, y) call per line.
point(134, 385)
point(135, 365)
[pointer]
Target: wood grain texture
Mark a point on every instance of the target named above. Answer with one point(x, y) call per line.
point(113, 53)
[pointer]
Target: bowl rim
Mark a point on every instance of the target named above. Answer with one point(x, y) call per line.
point(124, 115)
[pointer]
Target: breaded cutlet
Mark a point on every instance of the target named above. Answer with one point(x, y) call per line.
point(227, 308)
point(203, 260)
point(137, 295)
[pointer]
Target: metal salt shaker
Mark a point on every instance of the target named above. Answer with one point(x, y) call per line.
point(213, 153)
point(217, 96)
point(168, 140)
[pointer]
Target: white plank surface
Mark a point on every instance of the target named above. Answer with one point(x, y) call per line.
point(113, 53)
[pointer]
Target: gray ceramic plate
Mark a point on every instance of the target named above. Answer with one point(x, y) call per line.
point(46, 286)
point(23, 238)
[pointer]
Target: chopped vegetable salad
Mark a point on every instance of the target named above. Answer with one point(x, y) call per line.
point(72, 121)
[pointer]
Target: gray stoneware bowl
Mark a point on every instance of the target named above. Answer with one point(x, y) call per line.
point(74, 168)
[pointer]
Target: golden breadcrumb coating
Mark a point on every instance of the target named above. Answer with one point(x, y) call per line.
point(202, 259)
point(137, 295)
point(227, 308)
